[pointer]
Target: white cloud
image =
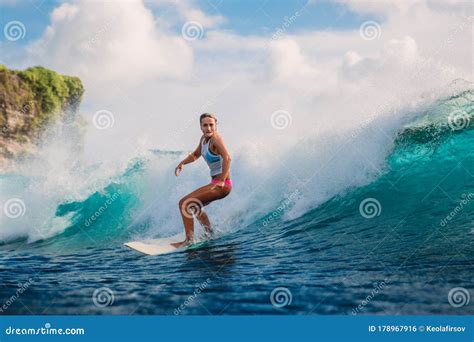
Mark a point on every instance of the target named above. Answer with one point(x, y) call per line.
point(404, 51)
point(156, 83)
point(64, 12)
point(106, 42)
point(193, 14)
point(331, 83)
point(287, 62)
point(383, 7)
point(187, 11)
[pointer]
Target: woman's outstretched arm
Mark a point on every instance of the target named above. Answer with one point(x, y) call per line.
point(189, 159)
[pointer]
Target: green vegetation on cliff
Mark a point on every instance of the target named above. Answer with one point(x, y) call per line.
point(30, 100)
point(37, 92)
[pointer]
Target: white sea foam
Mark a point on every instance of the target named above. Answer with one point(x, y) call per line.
point(324, 162)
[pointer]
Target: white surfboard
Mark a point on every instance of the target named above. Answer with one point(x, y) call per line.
point(158, 246)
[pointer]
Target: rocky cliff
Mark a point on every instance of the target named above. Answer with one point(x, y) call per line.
point(30, 101)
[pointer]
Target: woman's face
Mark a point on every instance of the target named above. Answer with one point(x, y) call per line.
point(208, 127)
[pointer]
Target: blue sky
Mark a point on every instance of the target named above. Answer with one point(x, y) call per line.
point(141, 67)
point(33, 13)
point(263, 16)
point(244, 17)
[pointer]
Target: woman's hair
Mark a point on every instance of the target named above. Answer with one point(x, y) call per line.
point(207, 115)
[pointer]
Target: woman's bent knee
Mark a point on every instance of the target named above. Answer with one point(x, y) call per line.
point(226, 191)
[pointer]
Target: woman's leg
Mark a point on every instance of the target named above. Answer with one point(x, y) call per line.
point(204, 221)
point(193, 204)
point(189, 206)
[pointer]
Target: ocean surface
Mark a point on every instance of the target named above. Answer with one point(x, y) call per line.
point(344, 232)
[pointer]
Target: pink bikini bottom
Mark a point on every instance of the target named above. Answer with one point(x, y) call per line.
point(226, 182)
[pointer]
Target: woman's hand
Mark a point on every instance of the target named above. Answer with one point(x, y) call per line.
point(178, 169)
point(220, 185)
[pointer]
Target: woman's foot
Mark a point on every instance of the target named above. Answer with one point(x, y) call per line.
point(181, 244)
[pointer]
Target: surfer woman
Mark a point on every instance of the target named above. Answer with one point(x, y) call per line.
point(212, 148)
